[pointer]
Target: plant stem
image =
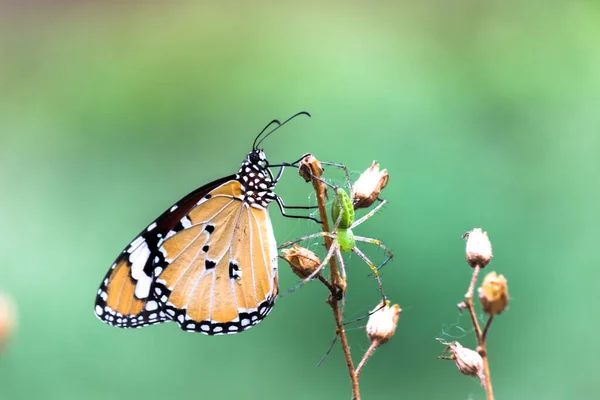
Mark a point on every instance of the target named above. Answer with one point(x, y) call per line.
point(485, 329)
point(368, 354)
point(486, 370)
point(469, 302)
point(335, 280)
point(481, 336)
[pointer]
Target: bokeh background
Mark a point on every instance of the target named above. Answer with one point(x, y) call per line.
point(484, 113)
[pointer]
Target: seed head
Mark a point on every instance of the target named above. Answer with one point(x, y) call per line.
point(468, 361)
point(382, 322)
point(367, 187)
point(479, 248)
point(303, 261)
point(310, 167)
point(493, 293)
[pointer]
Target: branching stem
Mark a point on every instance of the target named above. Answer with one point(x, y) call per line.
point(368, 354)
point(481, 335)
point(337, 285)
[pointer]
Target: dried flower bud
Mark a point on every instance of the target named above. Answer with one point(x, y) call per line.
point(493, 293)
point(309, 167)
point(303, 261)
point(479, 248)
point(7, 319)
point(367, 187)
point(382, 323)
point(468, 361)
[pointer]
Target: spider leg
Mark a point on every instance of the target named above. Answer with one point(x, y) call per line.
point(342, 166)
point(368, 215)
point(378, 243)
point(328, 350)
point(373, 268)
point(367, 315)
point(308, 237)
point(342, 266)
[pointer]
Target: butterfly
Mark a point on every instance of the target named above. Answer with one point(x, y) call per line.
point(208, 263)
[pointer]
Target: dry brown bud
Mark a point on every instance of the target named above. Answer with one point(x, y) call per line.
point(468, 361)
point(382, 322)
point(367, 187)
point(8, 319)
point(493, 293)
point(479, 248)
point(303, 261)
point(310, 167)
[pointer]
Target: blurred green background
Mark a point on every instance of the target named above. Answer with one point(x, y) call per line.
point(484, 113)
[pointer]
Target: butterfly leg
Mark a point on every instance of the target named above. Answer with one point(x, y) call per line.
point(298, 207)
point(282, 208)
point(373, 268)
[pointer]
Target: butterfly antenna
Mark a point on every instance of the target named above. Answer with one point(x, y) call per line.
point(277, 127)
point(275, 121)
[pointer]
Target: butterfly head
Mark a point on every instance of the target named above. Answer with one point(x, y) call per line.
point(256, 180)
point(257, 157)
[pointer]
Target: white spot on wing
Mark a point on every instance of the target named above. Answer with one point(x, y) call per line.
point(142, 287)
point(138, 260)
point(185, 222)
point(134, 245)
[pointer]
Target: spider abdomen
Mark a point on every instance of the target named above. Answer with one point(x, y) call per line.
point(346, 239)
point(342, 209)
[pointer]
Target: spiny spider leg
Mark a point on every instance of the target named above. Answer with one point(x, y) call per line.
point(373, 268)
point(305, 238)
point(342, 266)
point(342, 166)
point(366, 315)
point(378, 243)
point(369, 214)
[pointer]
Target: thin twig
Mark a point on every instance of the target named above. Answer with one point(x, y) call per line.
point(485, 329)
point(482, 350)
point(336, 282)
point(481, 335)
point(368, 354)
point(469, 302)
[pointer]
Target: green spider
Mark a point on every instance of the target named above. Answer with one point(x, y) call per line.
point(343, 238)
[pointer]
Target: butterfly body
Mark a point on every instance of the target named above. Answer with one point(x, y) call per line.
point(208, 263)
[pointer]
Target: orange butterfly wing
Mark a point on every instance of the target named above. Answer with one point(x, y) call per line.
point(220, 273)
point(124, 298)
point(208, 263)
